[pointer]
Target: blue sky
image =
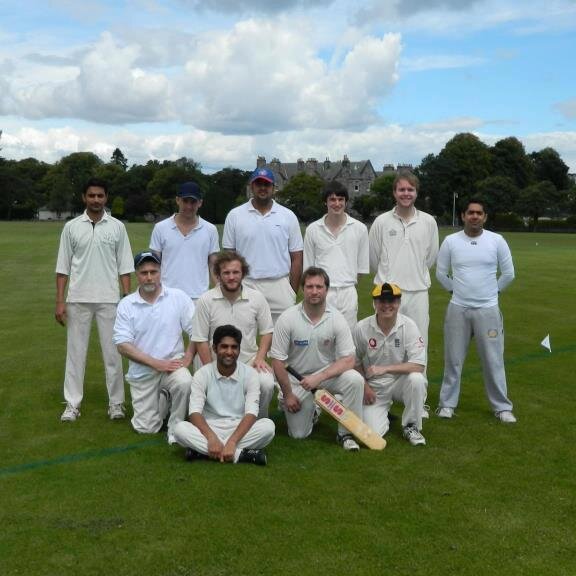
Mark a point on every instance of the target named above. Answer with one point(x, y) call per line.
point(223, 81)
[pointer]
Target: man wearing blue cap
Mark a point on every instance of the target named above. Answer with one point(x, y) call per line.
point(148, 331)
point(268, 235)
point(186, 244)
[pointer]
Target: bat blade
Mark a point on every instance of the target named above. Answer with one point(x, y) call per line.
point(349, 420)
point(346, 417)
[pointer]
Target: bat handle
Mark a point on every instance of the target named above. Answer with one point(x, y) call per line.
point(297, 375)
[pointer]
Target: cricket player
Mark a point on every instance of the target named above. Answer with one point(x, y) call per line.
point(94, 252)
point(468, 266)
point(268, 235)
point(230, 302)
point(186, 244)
point(338, 243)
point(403, 248)
point(148, 331)
point(222, 422)
point(315, 340)
point(390, 355)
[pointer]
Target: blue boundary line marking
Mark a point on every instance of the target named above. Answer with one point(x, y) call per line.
point(104, 452)
point(79, 457)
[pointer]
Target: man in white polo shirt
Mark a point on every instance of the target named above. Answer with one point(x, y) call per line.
point(148, 331)
point(94, 252)
point(338, 243)
point(268, 235)
point(222, 422)
point(390, 355)
point(316, 341)
point(232, 303)
point(186, 244)
point(403, 248)
point(475, 265)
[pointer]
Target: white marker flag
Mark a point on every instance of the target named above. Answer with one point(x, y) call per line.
point(546, 343)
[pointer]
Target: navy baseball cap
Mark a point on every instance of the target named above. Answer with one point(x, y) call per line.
point(386, 291)
point(189, 190)
point(262, 174)
point(146, 256)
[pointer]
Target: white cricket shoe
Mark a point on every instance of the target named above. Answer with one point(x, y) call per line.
point(444, 412)
point(116, 411)
point(506, 416)
point(70, 414)
point(348, 443)
point(413, 435)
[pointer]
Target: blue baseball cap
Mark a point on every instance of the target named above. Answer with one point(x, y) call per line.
point(146, 256)
point(262, 174)
point(189, 190)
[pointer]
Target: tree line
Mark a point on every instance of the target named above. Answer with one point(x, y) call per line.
point(513, 184)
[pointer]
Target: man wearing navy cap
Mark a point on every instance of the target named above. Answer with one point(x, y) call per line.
point(148, 331)
point(268, 235)
point(186, 243)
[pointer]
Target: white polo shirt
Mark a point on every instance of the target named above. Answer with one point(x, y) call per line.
point(250, 313)
point(232, 397)
point(93, 256)
point(265, 241)
point(309, 347)
point(343, 256)
point(155, 329)
point(185, 258)
point(473, 263)
point(374, 348)
point(403, 253)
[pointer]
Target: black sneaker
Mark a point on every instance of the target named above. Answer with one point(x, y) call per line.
point(348, 443)
point(192, 455)
point(250, 456)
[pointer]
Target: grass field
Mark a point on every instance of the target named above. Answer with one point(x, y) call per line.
point(481, 498)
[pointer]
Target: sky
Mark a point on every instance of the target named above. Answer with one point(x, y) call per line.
point(225, 81)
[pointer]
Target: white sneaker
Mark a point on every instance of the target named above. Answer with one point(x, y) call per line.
point(70, 414)
point(506, 416)
point(348, 443)
point(426, 411)
point(444, 412)
point(413, 435)
point(116, 411)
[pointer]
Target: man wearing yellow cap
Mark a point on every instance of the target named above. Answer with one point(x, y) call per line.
point(391, 355)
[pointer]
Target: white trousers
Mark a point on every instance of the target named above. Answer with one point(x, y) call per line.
point(79, 318)
point(345, 300)
point(267, 387)
point(350, 385)
point(409, 389)
point(416, 306)
point(157, 395)
point(487, 327)
point(277, 291)
point(259, 435)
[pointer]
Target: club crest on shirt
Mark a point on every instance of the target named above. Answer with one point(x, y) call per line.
point(301, 342)
point(372, 343)
point(392, 233)
point(492, 333)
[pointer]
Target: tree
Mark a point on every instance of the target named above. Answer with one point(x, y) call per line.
point(78, 168)
point(59, 190)
point(500, 194)
point(549, 166)
point(509, 159)
point(118, 159)
point(226, 189)
point(534, 200)
point(303, 195)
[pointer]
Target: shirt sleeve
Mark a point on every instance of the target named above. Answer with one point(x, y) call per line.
point(214, 241)
point(156, 240)
point(433, 244)
point(64, 261)
point(229, 235)
point(198, 389)
point(505, 265)
point(309, 255)
point(201, 322)
point(359, 343)
point(264, 316)
point(252, 387)
point(123, 326)
point(364, 252)
point(414, 344)
point(187, 317)
point(375, 245)
point(443, 266)
point(295, 242)
point(344, 341)
point(124, 258)
point(281, 339)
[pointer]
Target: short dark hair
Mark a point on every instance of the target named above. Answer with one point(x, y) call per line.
point(230, 256)
point(406, 175)
point(474, 200)
point(336, 188)
point(97, 183)
point(315, 271)
point(226, 330)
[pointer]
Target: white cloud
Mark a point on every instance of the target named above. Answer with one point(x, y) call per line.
point(567, 108)
point(440, 61)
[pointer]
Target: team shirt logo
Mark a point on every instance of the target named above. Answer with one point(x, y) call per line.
point(392, 233)
point(372, 343)
point(301, 342)
point(492, 333)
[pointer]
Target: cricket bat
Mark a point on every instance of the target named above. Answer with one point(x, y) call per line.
point(346, 417)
